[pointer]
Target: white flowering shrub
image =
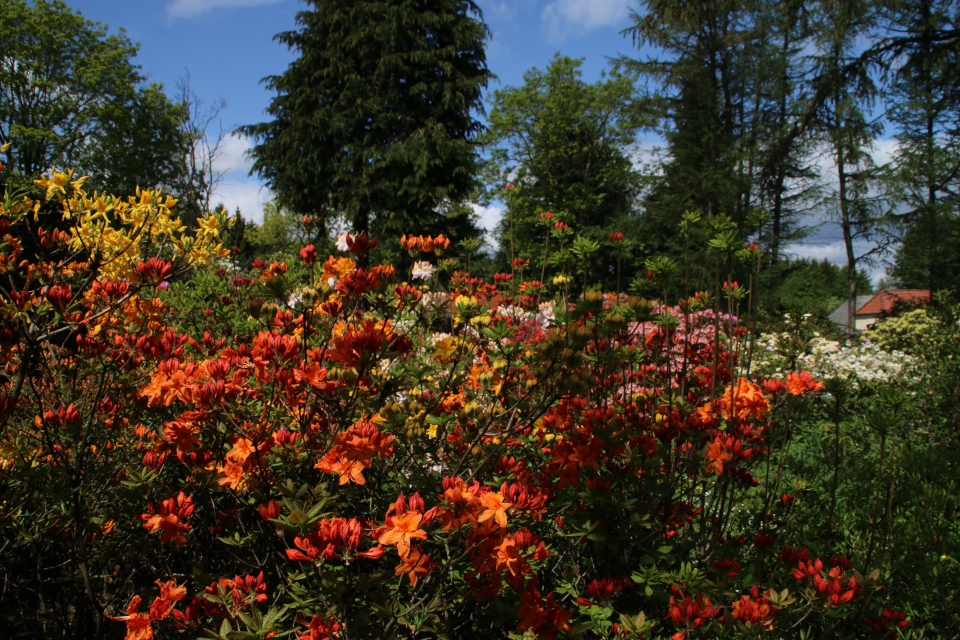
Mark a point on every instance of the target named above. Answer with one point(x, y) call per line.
point(859, 360)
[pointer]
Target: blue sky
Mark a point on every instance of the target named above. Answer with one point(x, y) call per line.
point(227, 47)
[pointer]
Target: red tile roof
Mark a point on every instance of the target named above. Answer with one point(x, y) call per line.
point(884, 301)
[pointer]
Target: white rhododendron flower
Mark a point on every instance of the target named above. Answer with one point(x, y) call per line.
point(423, 270)
point(546, 314)
point(434, 299)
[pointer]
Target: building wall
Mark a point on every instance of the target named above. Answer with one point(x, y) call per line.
point(865, 320)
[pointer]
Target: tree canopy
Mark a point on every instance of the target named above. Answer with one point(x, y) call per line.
point(375, 120)
point(566, 146)
point(71, 97)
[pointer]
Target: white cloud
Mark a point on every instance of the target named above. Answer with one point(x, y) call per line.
point(489, 218)
point(249, 196)
point(884, 150)
point(193, 8)
point(564, 16)
point(836, 253)
point(501, 10)
point(232, 159)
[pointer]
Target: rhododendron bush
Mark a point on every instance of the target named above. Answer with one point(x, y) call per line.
point(353, 456)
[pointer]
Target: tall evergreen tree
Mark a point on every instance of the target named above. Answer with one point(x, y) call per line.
point(848, 134)
point(785, 174)
point(728, 85)
point(924, 179)
point(699, 101)
point(375, 119)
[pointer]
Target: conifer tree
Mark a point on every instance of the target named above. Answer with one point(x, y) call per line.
point(375, 120)
point(924, 179)
point(844, 125)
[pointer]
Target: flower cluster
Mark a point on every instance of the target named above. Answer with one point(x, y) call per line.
point(857, 362)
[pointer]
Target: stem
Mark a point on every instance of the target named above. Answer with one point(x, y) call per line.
point(836, 461)
point(546, 247)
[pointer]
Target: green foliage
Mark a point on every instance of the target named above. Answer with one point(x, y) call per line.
point(373, 121)
point(927, 257)
point(280, 230)
point(565, 144)
point(809, 286)
point(871, 465)
point(923, 180)
point(70, 96)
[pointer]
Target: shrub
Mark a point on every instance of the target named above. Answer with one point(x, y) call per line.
point(373, 459)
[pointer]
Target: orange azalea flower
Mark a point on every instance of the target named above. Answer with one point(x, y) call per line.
point(508, 557)
point(752, 613)
point(275, 269)
point(138, 624)
point(411, 244)
point(495, 507)
point(337, 267)
point(242, 449)
point(414, 565)
point(316, 376)
point(348, 470)
point(167, 518)
point(169, 593)
point(236, 477)
point(705, 413)
point(321, 629)
point(748, 399)
point(183, 434)
point(401, 529)
point(798, 384)
point(717, 456)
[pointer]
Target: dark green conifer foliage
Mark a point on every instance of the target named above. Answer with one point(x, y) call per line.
point(924, 179)
point(844, 124)
point(375, 120)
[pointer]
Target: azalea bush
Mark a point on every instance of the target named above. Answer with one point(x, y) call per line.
point(322, 449)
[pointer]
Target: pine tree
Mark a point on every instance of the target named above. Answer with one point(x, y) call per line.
point(844, 125)
point(924, 180)
point(699, 101)
point(374, 122)
point(785, 177)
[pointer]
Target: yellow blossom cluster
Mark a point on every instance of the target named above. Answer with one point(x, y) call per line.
point(117, 233)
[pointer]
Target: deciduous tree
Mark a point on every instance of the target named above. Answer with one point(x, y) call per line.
point(567, 146)
point(70, 96)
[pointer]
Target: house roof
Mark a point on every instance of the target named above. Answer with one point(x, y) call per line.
point(839, 314)
point(885, 301)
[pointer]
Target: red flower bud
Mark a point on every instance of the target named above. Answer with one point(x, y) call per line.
point(269, 511)
point(309, 255)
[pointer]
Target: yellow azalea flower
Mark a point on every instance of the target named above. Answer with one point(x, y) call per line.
point(447, 348)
